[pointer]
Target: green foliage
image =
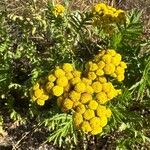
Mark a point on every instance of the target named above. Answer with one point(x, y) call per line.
point(33, 41)
point(61, 126)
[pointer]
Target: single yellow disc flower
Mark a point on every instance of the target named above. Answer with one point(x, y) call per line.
point(74, 96)
point(92, 75)
point(67, 67)
point(85, 98)
point(97, 87)
point(75, 80)
point(38, 92)
point(88, 114)
point(101, 64)
point(93, 105)
point(109, 69)
point(69, 75)
point(123, 65)
point(51, 78)
point(80, 108)
point(102, 79)
point(96, 131)
point(101, 97)
point(59, 73)
point(58, 10)
point(62, 81)
point(108, 112)
point(85, 127)
point(76, 73)
point(95, 122)
point(67, 104)
point(40, 102)
point(103, 121)
point(111, 52)
point(77, 118)
point(57, 90)
point(89, 89)
point(80, 87)
point(107, 58)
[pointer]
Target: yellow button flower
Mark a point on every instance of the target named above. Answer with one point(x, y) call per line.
point(44, 97)
point(75, 80)
point(108, 112)
point(80, 108)
point(101, 64)
point(102, 79)
point(38, 93)
point(111, 52)
point(40, 102)
point(59, 73)
point(109, 69)
point(106, 87)
point(92, 66)
point(93, 105)
point(101, 110)
point(103, 121)
point(116, 59)
point(85, 98)
point(62, 81)
point(119, 70)
point(58, 10)
point(97, 87)
point(120, 77)
point(57, 90)
point(33, 98)
point(51, 78)
point(123, 65)
point(107, 58)
point(95, 122)
point(78, 119)
point(88, 114)
point(96, 131)
point(67, 67)
point(80, 87)
point(92, 76)
point(99, 72)
point(85, 127)
point(87, 81)
point(89, 89)
point(111, 94)
point(69, 75)
point(74, 96)
point(101, 97)
point(67, 104)
point(76, 73)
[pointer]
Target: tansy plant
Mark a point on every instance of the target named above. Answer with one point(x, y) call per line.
point(83, 69)
point(83, 94)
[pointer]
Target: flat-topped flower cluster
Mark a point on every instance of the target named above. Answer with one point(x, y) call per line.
point(83, 94)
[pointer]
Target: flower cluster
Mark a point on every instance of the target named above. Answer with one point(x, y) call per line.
point(58, 10)
point(84, 94)
point(91, 117)
point(38, 93)
point(104, 14)
point(107, 62)
point(79, 91)
point(54, 85)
